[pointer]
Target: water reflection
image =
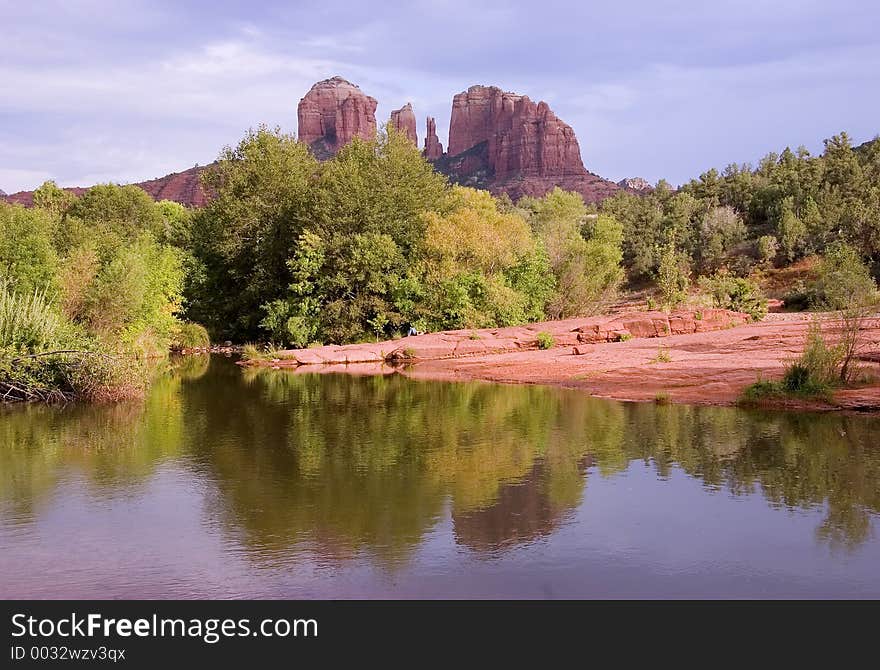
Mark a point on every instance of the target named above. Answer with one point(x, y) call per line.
point(369, 465)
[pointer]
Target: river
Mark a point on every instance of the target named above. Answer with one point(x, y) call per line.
point(254, 483)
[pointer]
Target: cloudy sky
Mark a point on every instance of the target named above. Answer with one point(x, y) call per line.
point(126, 90)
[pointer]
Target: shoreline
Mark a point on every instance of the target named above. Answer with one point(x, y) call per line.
point(711, 367)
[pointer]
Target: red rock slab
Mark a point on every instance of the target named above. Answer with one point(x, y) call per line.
point(469, 343)
point(706, 367)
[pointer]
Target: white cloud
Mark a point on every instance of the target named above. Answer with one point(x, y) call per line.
point(155, 87)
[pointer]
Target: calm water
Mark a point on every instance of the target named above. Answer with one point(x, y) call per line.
point(231, 483)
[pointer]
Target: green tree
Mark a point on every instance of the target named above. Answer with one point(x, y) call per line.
point(792, 232)
point(28, 261)
point(109, 216)
point(242, 240)
point(673, 276)
point(767, 246)
point(721, 231)
point(53, 199)
point(378, 187)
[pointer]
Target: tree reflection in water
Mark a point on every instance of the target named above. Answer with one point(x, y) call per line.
point(369, 464)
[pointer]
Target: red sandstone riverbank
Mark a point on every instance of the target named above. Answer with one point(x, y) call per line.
point(704, 358)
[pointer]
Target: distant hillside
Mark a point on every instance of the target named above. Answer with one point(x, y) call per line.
point(865, 146)
point(183, 187)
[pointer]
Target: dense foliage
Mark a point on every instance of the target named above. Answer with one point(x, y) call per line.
point(87, 286)
point(374, 242)
point(791, 205)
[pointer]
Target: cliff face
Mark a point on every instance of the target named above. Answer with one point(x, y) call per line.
point(507, 143)
point(404, 121)
point(332, 113)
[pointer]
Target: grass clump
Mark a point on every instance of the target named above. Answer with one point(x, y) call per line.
point(662, 356)
point(256, 352)
point(813, 374)
point(545, 340)
point(662, 398)
point(45, 357)
point(189, 336)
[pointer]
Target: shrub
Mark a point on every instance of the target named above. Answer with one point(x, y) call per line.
point(844, 281)
point(663, 355)
point(189, 336)
point(845, 284)
point(28, 323)
point(735, 293)
point(101, 378)
point(673, 276)
point(760, 390)
point(252, 352)
point(800, 297)
point(768, 247)
point(821, 362)
point(799, 379)
point(545, 340)
point(813, 373)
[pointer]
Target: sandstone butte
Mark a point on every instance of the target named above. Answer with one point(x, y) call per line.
point(404, 121)
point(499, 141)
point(708, 357)
point(508, 143)
point(332, 113)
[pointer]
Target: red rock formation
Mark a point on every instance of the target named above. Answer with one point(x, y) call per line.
point(183, 187)
point(433, 149)
point(332, 113)
point(499, 141)
point(568, 333)
point(635, 185)
point(404, 121)
point(528, 149)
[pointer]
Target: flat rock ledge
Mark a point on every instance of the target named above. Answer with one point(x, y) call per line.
point(577, 334)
